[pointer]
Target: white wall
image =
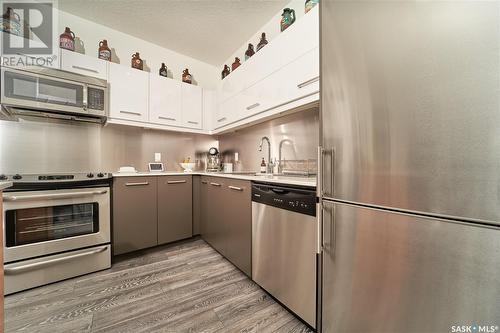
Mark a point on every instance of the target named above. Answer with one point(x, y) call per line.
point(124, 45)
point(271, 28)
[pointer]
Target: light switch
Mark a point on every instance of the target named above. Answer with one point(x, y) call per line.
point(157, 157)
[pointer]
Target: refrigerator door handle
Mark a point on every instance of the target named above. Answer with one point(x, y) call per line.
point(319, 187)
point(319, 227)
point(322, 190)
point(328, 244)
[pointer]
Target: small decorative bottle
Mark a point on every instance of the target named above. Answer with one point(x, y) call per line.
point(310, 5)
point(186, 77)
point(263, 42)
point(235, 64)
point(11, 22)
point(249, 52)
point(263, 166)
point(136, 61)
point(287, 18)
point(163, 70)
point(67, 40)
point(225, 72)
point(104, 51)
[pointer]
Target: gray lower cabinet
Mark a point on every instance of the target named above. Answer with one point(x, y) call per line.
point(134, 213)
point(226, 223)
point(175, 208)
point(238, 223)
point(214, 222)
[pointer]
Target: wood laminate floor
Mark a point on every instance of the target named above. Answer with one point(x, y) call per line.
point(185, 287)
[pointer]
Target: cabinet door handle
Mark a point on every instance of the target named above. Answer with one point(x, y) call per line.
point(85, 69)
point(130, 112)
point(176, 181)
point(204, 182)
point(166, 118)
point(308, 82)
point(235, 188)
point(137, 184)
point(221, 119)
point(253, 106)
point(215, 184)
point(193, 122)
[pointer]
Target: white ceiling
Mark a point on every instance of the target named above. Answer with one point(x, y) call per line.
point(207, 30)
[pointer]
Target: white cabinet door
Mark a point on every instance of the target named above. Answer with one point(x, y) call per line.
point(209, 108)
point(226, 112)
point(165, 105)
point(83, 64)
point(298, 79)
point(128, 93)
point(192, 106)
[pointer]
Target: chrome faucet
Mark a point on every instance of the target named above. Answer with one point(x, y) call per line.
point(270, 165)
point(280, 162)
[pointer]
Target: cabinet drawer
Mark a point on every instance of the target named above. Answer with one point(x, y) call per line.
point(83, 64)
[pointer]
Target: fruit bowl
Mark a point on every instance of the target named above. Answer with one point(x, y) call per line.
point(188, 167)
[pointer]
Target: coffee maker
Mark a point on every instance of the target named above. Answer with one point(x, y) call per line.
point(213, 160)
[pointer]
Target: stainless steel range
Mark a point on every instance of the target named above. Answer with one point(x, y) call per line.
point(55, 227)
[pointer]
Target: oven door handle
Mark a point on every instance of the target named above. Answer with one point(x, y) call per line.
point(52, 196)
point(38, 265)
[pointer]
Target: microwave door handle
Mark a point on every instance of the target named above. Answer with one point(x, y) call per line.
point(85, 96)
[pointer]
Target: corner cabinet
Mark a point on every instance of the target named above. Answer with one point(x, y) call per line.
point(228, 227)
point(175, 208)
point(128, 93)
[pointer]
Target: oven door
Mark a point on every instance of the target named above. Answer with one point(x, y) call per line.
point(38, 223)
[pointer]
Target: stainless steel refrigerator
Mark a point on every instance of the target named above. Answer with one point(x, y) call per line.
point(410, 166)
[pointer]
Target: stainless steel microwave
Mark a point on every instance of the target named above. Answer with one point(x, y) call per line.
point(46, 90)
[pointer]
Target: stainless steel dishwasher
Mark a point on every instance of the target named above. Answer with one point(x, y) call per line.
point(283, 246)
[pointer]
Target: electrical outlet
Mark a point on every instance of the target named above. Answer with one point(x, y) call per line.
point(157, 157)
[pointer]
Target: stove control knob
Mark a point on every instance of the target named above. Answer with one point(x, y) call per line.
point(17, 177)
point(90, 175)
point(100, 175)
point(3, 177)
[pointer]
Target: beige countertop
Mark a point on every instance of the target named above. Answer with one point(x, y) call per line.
point(273, 179)
point(4, 185)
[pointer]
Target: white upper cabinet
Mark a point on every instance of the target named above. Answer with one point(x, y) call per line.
point(192, 106)
point(129, 93)
point(165, 102)
point(285, 71)
point(83, 64)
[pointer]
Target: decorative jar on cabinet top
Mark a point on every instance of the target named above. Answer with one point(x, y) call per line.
point(287, 18)
point(67, 40)
point(235, 64)
point(225, 72)
point(186, 76)
point(104, 51)
point(136, 61)
point(249, 52)
point(263, 41)
point(11, 22)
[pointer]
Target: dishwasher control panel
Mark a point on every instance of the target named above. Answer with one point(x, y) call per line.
point(300, 200)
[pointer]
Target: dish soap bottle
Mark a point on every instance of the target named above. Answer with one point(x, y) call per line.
point(263, 166)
